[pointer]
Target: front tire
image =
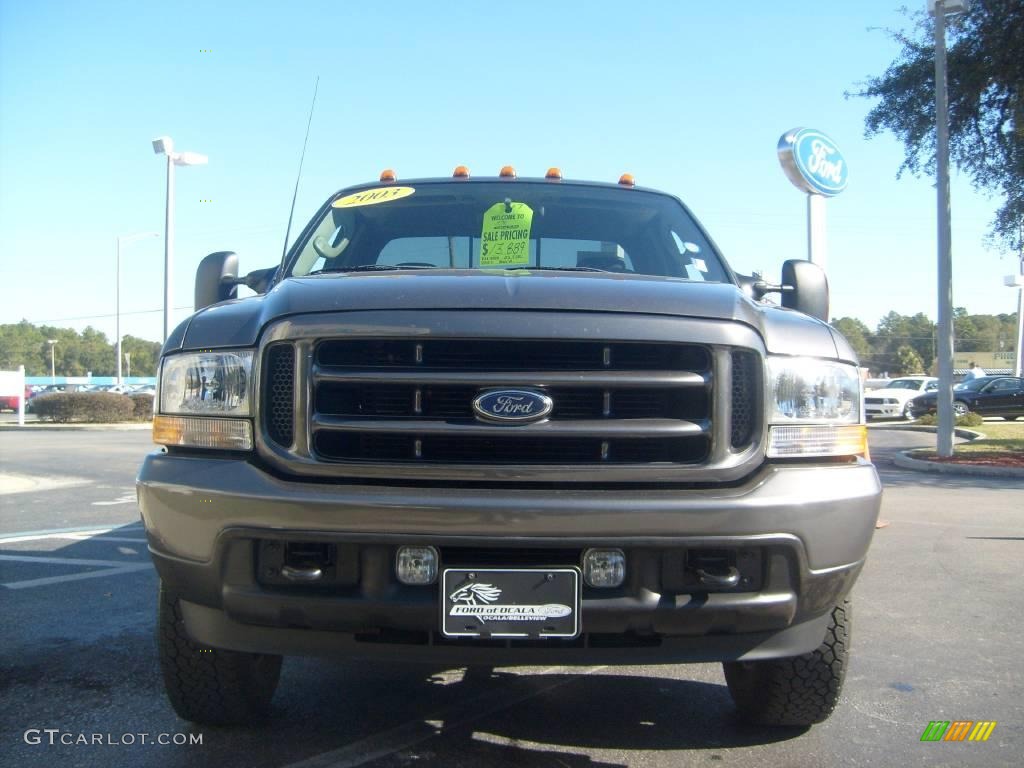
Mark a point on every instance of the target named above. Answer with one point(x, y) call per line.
point(960, 408)
point(796, 691)
point(908, 412)
point(210, 685)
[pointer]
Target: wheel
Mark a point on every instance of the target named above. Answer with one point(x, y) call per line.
point(1011, 418)
point(960, 408)
point(210, 685)
point(800, 690)
point(908, 411)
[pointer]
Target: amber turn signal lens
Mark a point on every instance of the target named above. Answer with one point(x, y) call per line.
point(507, 172)
point(627, 180)
point(460, 172)
point(203, 432)
point(388, 175)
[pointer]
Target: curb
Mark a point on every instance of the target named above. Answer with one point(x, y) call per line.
point(962, 432)
point(36, 426)
point(901, 459)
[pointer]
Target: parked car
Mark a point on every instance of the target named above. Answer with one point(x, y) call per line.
point(986, 396)
point(893, 400)
point(10, 402)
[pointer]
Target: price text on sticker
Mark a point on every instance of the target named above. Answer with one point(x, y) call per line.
point(505, 239)
point(372, 197)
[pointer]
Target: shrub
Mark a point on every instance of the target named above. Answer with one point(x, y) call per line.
point(143, 404)
point(92, 407)
point(970, 419)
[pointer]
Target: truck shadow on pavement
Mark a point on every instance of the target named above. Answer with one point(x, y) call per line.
point(499, 717)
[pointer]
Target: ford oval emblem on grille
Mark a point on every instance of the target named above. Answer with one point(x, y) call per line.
point(512, 406)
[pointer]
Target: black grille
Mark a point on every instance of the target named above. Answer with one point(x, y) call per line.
point(746, 387)
point(512, 355)
point(279, 393)
point(465, 449)
point(408, 403)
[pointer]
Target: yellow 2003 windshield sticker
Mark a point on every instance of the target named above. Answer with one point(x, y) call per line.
point(372, 197)
point(505, 239)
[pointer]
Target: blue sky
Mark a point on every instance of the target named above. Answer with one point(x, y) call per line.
point(689, 97)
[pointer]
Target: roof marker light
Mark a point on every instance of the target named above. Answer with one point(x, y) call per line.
point(388, 175)
point(627, 180)
point(555, 174)
point(507, 172)
point(460, 172)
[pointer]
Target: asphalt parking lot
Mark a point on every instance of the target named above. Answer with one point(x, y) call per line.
point(938, 636)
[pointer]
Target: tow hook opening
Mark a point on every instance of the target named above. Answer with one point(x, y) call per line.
point(714, 568)
point(306, 563)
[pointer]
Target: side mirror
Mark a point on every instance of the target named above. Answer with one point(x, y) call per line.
point(804, 288)
point(217, 279)
point(808, 288)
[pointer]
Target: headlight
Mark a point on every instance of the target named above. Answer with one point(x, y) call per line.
point(204, 399)
point(207, 383)
point(815, 408)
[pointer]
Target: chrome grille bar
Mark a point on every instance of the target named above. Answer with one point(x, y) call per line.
point(596, 379)
point(574, 428)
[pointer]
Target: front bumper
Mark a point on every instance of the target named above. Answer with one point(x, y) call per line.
point(809, 527)
point(884, 410)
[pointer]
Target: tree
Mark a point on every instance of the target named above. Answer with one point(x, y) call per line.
point(908, 361)
point(75, 354)
point(986, 104)
point(857, 334)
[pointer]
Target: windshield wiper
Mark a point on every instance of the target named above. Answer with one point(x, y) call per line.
point(564, 269)
point(367, 268)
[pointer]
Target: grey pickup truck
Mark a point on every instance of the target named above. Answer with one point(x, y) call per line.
point(506, 421)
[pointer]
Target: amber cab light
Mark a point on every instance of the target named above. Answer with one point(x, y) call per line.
point(554, 174)
point(388, 175)
point(460, 172)
point(627, 180)
point(507, 172)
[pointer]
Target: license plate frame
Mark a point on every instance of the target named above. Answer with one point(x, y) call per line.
point(510, 603)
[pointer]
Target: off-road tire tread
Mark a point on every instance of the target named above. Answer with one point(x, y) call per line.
point(211, 685)
point(797, 691)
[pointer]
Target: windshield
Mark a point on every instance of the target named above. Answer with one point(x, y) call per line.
point(904, 384)
point(509, 225)
point(972, 384)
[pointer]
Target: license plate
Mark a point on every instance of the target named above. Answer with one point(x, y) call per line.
point(510, 602)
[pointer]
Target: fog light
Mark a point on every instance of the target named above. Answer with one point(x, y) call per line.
point(604, 567)
point(416, 565)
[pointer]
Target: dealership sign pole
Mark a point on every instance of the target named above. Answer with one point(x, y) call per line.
point(813, 162)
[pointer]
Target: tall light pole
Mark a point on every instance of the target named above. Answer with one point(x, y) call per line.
point(165, 146)
point(53, 367)
point(1017, 281)
point(944, 439)
point(117, 280)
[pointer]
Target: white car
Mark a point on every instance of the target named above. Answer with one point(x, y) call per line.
point(893, 400)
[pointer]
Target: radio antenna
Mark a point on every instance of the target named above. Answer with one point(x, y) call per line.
point(302, 157)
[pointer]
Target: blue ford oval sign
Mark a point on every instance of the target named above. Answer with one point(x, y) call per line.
point(813, 162)
point(513, 406)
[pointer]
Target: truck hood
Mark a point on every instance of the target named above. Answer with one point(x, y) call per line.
point(240, 322)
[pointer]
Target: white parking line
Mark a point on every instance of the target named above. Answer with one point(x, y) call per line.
point(416, 731)
point(74, 535)
point(62, 560)
point(104, 567)
point(76, 576)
